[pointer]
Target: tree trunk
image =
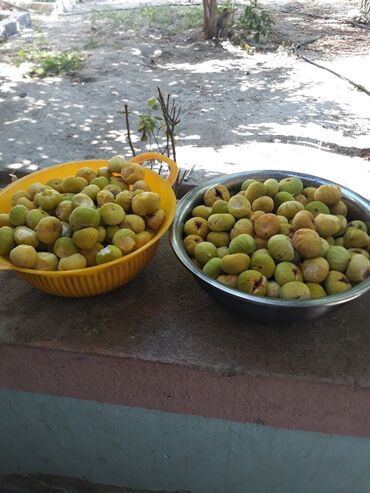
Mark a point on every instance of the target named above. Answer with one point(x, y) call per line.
point(210, 18)
point(365, 7)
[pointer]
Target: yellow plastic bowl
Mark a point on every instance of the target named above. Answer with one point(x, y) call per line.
point(98, 279)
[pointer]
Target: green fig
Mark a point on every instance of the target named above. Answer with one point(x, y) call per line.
point(87, 173)
point(272, 187)
point(84, 217)
point(264, 203)
point(336, 282)
point(281, 248)
point(145, 203)
point(132, 172)
point(125, 240)
point(255, 190)
point(100, 181)
point(91, 191)
point(48, 230)
point(34, 216)
point(64, 247)
point(239, 206)
point(220, 207)
point(23, 256)
point(328, 194)
point(235, 263)
point(196, 226)
point(139, 185)
point(134, 222)
point(143, 238)
point(282, 197)
point(4, 220)
point(307, 243)
point(241, 226)
point(190, 242)
point(112, 214)
point(201, 211)
point(229, 280)
point(222, 251)
point(214, 193)
point(74, 184)
point(219, 239)
point(104, 197)
point(267, 225)
point(273, 289)
point(316, 207)
point(204, 251)
point(327, 224)
point(338, 258)
point(291, 184)
point(108, 254)
point(73, 262)
point(315, 270)
point(289, 209)
point(63, 210)
point(104, 172)
point(295, 290)
point(116, 163)
point(18, 214)
point(253, 282)
point(155, 220)
point(46, 261)
point(221, 222)
point(124, 199)
point(213, 268)
point(243, 243)
point(25, 236)
point(287, 272)
point(358, 268)
point(85, 238)
point(263, 263)
point(6, 240)
point(316, 290)
point(82, 199)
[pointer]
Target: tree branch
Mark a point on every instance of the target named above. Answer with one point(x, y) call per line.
point(128, 131)
point(358, 86)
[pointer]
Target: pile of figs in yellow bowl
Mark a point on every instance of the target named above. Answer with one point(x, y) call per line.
point(85, 228)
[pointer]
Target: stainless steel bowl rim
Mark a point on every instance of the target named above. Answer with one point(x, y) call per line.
point(188, 202)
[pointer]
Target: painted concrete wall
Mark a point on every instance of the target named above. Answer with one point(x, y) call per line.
point(127, 446)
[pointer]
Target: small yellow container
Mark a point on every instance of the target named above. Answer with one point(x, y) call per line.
point(98, 279)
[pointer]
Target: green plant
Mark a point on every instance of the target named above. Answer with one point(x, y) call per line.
point(157, 126)
point(256, 20)
point(21, 56)
point(193, 17)
point(149, 14)
point(224, 5)
point(46, 63)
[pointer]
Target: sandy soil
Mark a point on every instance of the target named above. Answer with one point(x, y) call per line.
point(239, 109)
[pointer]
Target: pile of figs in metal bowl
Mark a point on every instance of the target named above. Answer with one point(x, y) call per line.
point(275, 243)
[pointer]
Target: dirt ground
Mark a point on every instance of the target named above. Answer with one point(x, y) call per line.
point(241, 108)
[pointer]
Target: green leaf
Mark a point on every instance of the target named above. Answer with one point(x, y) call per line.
point(153, 103)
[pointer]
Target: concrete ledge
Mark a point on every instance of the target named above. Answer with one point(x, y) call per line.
point(47, 483)
point(161, 342)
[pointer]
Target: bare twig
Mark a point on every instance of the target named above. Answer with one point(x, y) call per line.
point(128, 131)
point(171, 118)
point(358, 86)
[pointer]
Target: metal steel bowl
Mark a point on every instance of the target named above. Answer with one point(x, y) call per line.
point(263, 308)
